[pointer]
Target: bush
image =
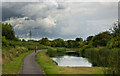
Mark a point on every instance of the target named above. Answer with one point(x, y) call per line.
point(52, 52)
point(92, 55)
point(105, 57)
point(82, 50)
point(114, 61)
point(61, 51)
point(104, 54)
point(98, 56)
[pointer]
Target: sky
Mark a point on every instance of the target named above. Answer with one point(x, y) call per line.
point(66, 20)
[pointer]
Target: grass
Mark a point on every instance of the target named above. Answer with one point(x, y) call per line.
point(46, 63)
point(14, 66)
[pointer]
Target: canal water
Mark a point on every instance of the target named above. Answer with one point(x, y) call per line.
point(72, 61)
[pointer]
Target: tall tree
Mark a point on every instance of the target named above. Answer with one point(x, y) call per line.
point(8, 31)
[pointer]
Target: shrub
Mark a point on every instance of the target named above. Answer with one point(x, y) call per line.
point(61, 51)
point(92, 55)
point(114, 61)
point(52, 52)
point(103, 54)
point(82, 50)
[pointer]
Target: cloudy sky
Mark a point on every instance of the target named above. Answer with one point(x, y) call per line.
point(66, 20)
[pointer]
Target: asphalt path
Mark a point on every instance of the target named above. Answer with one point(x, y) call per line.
point(30, 66)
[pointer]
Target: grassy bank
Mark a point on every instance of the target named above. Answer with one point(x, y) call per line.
point(13, 52)
point(46, 63)
point(14, 66)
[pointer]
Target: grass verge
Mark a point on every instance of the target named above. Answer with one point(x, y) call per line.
point(46, 63)
point(14, 66)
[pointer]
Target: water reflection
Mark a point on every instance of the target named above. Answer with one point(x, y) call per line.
point(72, 61)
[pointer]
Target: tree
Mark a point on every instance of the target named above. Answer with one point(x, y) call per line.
point(59, 42)
point(53, 43)
point(115, 41)
point(8, 31)
point(45, 41)
point(78, 39)
point(23, 40)
point(71, 43)
point(101, 39)
point(89, 38)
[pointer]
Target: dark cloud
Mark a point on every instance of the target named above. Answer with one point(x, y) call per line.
point(59, 20)
point(8, 13)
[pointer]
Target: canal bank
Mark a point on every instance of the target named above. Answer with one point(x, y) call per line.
point(47, 64)
point(71, 59)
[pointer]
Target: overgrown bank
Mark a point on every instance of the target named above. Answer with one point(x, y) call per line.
point(14, 65)
point(107, 58)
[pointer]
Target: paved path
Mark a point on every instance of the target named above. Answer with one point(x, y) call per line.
point(30, 66)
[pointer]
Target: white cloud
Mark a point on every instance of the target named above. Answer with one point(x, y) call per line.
point(26, 23)
point(63, 19)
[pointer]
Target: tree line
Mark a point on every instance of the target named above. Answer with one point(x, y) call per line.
point(110, 39)
point(77, 43)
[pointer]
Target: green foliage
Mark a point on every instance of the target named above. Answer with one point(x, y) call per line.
point(114, 61)
point(78, 39)
point(114, 42)
point(70, 43)
point(8, 31)
point(89, 38)
point(61, 51)
point(91, 54)
point(12, 48)
point(60, 42)
point(13, 66)
point(75, 44)
point(98, 56)
point(106, 58)
point(101, 39)
point(85, 47)
point(52, 52)
point(53, 43)
point(45, 41)
point(103, 54)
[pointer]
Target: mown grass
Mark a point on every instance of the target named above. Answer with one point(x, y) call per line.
point(46, 63)
point(14, 66)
